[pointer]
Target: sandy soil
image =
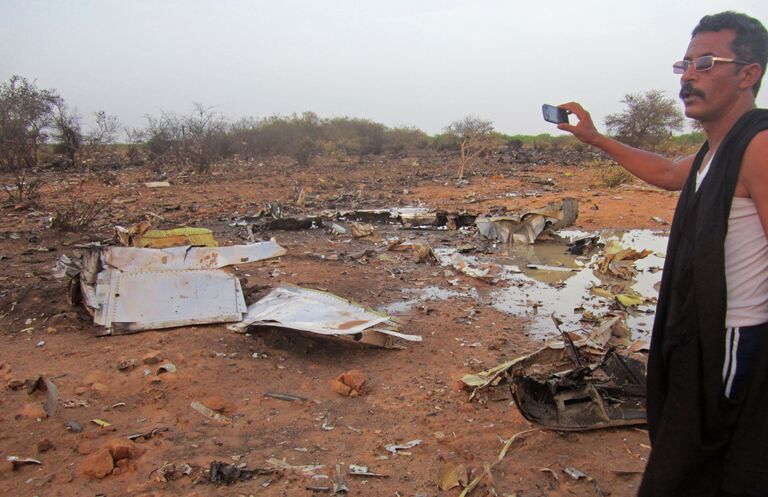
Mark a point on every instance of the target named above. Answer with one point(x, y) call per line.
point(411, 393)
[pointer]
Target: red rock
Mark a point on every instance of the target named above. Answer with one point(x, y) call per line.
point(219, 404)
point(123, 449)
point(340, 388)
point(98, 465)
point(352, 383)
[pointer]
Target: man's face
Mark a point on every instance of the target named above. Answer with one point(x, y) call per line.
point(708, 95)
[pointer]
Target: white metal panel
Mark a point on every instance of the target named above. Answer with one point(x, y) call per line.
point(135, 259)
point(151, 300)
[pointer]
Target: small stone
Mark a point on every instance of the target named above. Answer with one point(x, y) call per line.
point(219, 404)
point(98, 465)
point(126, 364)
point(351, 384)
point(124, 449)
point(152, 358)
point(73, 426)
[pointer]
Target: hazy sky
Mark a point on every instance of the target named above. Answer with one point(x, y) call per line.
point(421, 63)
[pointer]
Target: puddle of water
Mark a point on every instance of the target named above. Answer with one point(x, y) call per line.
point(558, 283)
point(421, 295)
point(532, 294)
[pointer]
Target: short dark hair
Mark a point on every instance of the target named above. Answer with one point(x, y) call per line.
point(751, 42)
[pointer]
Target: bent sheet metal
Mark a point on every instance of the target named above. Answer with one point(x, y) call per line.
point(315, 311)
point(139, 289)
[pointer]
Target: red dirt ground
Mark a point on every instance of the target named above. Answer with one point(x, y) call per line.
point(411, 393)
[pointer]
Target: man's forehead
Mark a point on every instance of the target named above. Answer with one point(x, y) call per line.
point(711, 43)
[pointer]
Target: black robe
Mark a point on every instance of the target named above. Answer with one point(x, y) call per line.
point(703, 442)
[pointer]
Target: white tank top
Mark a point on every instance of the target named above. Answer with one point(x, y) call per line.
point(746, 263)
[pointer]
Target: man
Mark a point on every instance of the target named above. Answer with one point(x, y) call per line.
point(708, 365)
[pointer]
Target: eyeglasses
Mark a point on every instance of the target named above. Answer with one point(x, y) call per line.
point(704, 63)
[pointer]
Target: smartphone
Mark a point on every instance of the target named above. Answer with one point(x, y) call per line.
point(554, 114)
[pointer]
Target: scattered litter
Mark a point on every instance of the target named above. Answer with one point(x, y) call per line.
point(141, 235)
point(17, 462)
point(171, 471)
point(659, 220)
point(550, 472)
point(453, 475)
point(527, 226)
point(166, 368)
point(71, 403)
point(357, 470)
point(157, 184)
point(326, 425)
point(313, 311)
point(574, 473)
point(308, 470)
point(285, 396)
point(339, 485)
point(129, 289)
point(488, 467)
point(227, 474)
point(210, 413)
point(584, 245)
point(100, 422)
point(619, 262)
point(52, 397)
point(393, 448)
point(580, 475)
point(568, 386)
point(543, 267)
point(73, 426)
point(364, 231)
point(488, 273)
point(147, 434)
point(422, 251)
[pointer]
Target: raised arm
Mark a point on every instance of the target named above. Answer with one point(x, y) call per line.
point(652, 168)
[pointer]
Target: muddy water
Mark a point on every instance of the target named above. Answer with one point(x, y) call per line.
point(538, 293)
point(543, 279)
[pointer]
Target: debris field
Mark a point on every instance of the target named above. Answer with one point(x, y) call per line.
point(320, 381)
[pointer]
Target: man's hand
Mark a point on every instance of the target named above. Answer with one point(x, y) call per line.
point(584, 130)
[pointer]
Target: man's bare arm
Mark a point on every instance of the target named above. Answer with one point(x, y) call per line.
point(652, 168)
point(754, 176)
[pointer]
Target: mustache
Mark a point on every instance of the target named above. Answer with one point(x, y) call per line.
point(688, 90)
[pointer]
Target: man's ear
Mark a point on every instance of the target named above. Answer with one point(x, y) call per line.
point(750, 75)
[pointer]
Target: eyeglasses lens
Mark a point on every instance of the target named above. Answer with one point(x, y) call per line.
point(704, 63)
point(680, 67)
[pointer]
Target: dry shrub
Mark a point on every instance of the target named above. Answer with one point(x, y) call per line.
point(609, 174)
point(79, 212)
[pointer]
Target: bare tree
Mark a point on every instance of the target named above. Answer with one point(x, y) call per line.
point(67, 131)
point(474, 137)
point(649, 119)
point(26, 114)
point(204, 130)
point(106, 130)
